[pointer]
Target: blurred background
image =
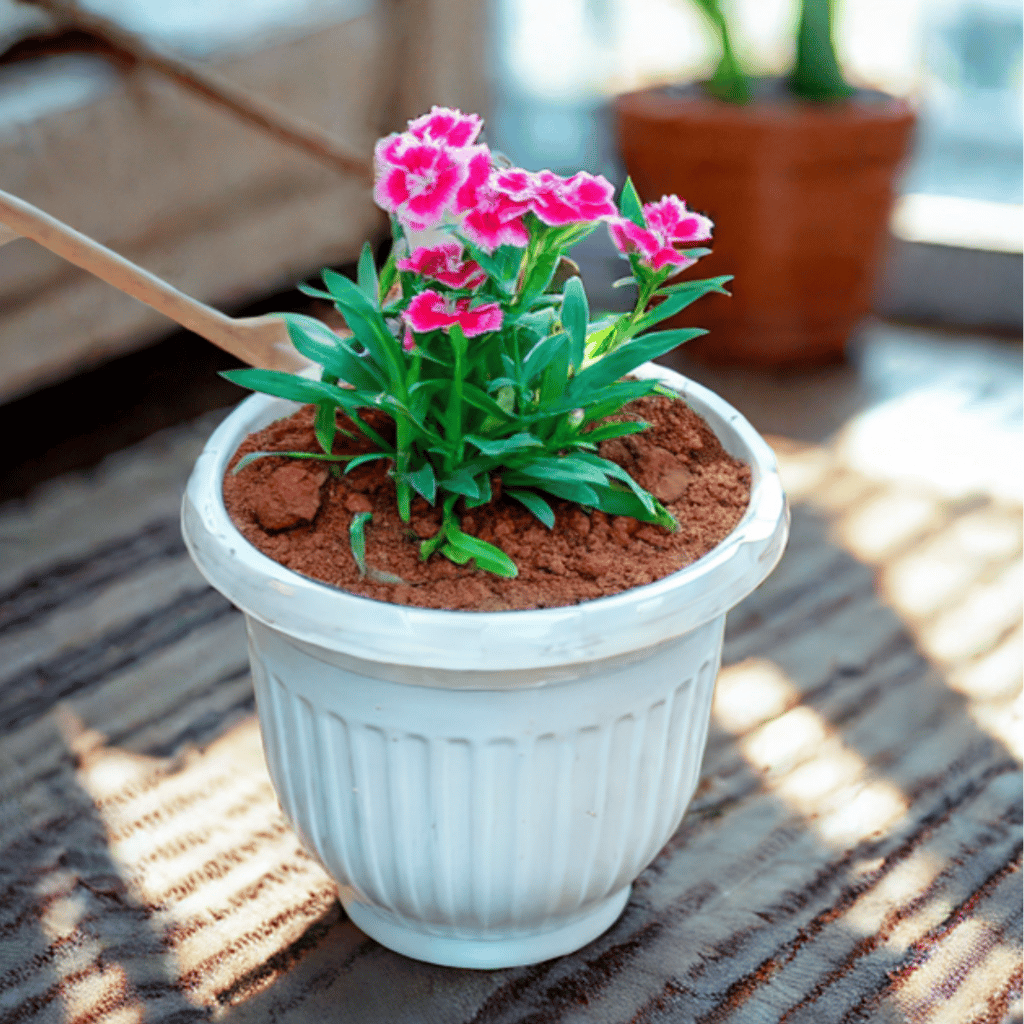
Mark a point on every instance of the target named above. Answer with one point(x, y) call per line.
point(235, 217)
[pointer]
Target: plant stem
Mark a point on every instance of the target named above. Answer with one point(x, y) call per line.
point(817, 75)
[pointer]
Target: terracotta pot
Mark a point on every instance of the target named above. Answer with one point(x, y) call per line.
point(800, 194)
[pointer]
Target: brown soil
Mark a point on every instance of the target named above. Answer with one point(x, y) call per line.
point(299, 514)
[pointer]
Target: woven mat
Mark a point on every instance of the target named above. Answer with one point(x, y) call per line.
point(853, 852)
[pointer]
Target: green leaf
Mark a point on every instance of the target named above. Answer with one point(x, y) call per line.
point(357, 539)
point(388, 276)
point(487, 556)
point(505, 445)
point(325, 426)
point(625, 503)
point(460, 482)
point(542, 354)
point(630, 206)
point(248, 460)
point(424, 482)
point(536, 504)
point(456, 555)
point(717, 283)
point(285, 385)
point(581, 493)
point(570, 468)
point(360, 460)
point(626, 357)
point(575, 317)
point(366, 323)
point(609, 430)
point(675, 302)
point(483, 482)
point(366, 276)
point(317, 342)
point(472, 395)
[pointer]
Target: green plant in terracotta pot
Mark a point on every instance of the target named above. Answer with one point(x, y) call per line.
point(484, 647)
point(798, 174)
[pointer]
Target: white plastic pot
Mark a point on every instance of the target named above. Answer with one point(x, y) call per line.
point(485, 787)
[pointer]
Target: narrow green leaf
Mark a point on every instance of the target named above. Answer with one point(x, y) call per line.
point(673, 304)
point(325, 426)
point(285, 385)
point(536, 504)
point(317, 342)
point(460, 482)
point(609, 430)
point(483, 483)
point(366, 276)
point(630, 206)
point(360, 460)
point(456, 555)
point(626, 357)
point(357, 539)
point(487, 556)
point(248, 460)
point(424, 482)
point(575, 318)
point(581, 493)
point(505, 445)
point(571, 468)
point(625, 503)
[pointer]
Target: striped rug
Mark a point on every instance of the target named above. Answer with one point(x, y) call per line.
point(853, 852)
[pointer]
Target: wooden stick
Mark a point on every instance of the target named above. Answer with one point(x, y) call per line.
point(260, 341)
point(269, 117)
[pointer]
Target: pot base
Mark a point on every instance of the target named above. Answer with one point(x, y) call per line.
point(485, 954)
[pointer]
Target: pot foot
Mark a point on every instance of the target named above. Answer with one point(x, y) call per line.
point(486, 953)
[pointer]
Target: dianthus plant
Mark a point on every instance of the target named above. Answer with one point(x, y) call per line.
point(475, 335)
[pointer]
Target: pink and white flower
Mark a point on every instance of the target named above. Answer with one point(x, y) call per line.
point(490, 216)
point(416, 180)
point(431, 311)
point(444, 263)
point(443, 124)
point(559, 201)
point(669, 224)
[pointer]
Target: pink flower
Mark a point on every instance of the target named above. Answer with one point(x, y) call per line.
point(443, 124)
point(444, 263)
point(491, 217)
point(417, 181)
point(559, 201)
point(430, 311)
point(671, 219)
point(408, 342)
point(669, 224)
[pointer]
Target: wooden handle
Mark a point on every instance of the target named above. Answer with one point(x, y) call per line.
point(260, 341)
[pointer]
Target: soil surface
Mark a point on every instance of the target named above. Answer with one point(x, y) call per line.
point(298, 513)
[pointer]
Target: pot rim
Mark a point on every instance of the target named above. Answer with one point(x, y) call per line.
point(337, 620)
